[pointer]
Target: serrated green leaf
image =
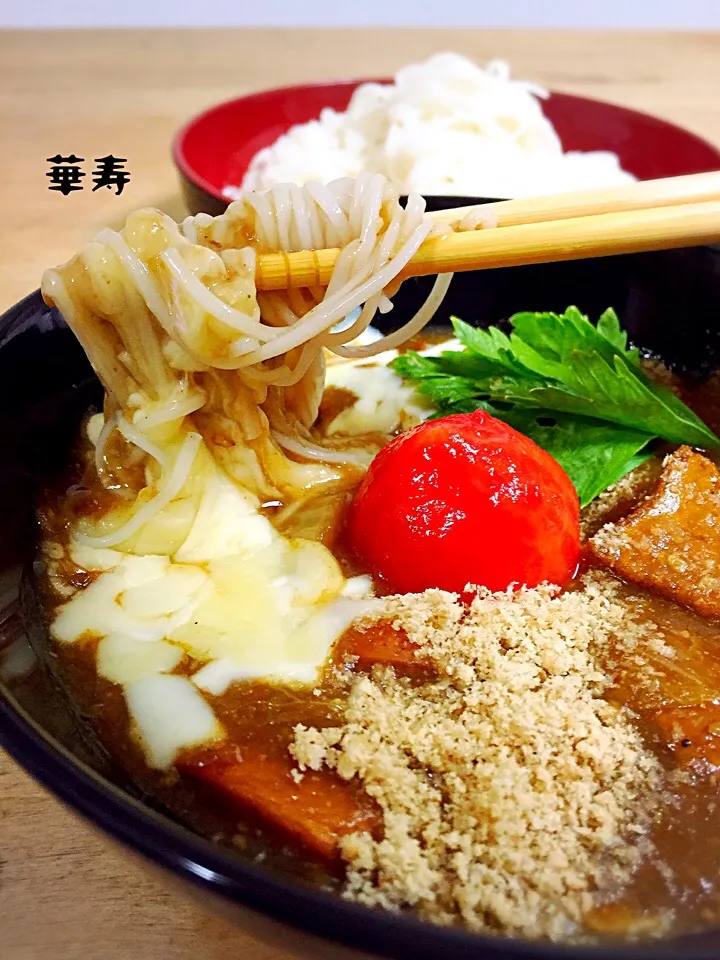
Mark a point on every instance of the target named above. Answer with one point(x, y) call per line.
point(491, 345)
point(594, 455)
point(561, 366)
point(558, 337)
point(444, 390)
point(608, 326)
point(616, 393)
point(413, 366)
point(461, 363)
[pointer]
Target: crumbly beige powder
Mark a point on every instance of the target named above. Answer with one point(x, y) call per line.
point(512, 794)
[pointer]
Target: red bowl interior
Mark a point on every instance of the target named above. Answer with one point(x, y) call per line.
point(216, 147)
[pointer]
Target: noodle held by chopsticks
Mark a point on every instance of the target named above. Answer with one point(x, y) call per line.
point(171, 320)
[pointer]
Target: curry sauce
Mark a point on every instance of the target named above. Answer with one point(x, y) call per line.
point(247, 788)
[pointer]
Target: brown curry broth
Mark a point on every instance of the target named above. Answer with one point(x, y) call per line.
point(102, 705)
point(687, 823)
point(679, 883)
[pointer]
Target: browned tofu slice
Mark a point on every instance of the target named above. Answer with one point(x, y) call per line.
point(692, 734)
point(315, 811)
point(379, 643)
point(670, 543)
point(669, 675)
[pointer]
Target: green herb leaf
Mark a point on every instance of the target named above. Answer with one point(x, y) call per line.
point(486, 350)
point(572, 386)
point(593, 454)
point(609, 327)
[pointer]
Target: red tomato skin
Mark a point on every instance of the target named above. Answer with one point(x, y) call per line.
point(465, 500)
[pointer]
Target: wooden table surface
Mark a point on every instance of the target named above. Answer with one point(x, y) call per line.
point(65, 892)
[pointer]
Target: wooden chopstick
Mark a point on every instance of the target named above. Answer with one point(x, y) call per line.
point(649, 215)
point(646, 194)
point(600, 235)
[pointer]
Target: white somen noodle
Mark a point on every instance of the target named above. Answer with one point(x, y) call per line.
point(444, 127)
point(186, 347)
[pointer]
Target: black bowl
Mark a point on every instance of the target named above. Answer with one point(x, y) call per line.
point(670, 303)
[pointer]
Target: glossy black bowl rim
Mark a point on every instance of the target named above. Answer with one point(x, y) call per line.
point(219, 871)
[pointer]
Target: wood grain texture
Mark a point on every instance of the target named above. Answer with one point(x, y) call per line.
point(66, 892)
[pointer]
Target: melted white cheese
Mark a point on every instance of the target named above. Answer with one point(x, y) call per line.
point(385, 403)
point(235, 595)
point(210, 577)
point(144, 598)
point(227, 523)
point(310, 643)
point(122, 659)
point(169, 713)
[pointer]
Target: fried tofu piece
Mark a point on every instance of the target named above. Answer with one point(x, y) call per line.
point(379, 643)
point(692, 734)
point(670, 543)
point(314, 809)
point(666, 669)
point(671, 659)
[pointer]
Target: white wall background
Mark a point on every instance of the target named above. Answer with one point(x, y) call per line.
point(663, 14)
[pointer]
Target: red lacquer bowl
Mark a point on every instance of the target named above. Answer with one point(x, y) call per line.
point(216, 147)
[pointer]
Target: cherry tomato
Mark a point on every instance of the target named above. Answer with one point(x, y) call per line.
point(465, 500)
